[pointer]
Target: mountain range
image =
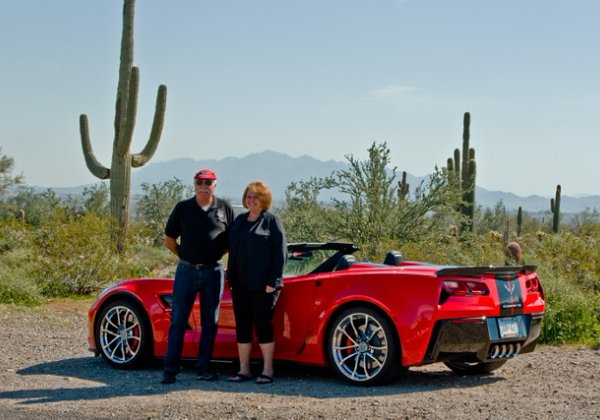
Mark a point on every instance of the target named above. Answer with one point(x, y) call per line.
point(278, 170)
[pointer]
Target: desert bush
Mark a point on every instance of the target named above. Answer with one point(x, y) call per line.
point(17, 284)
point(449, 249)
point(569, 267)
point(147, 260)
point(156, 204)
point(74, 256)
point(34, 208)
point(71, 254)
point(576, 259)
point(16, 279)
point(571, 314)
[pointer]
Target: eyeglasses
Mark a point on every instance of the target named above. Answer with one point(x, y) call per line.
point(204, 181)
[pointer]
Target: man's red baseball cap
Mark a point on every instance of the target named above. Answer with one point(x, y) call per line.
point(205, 174)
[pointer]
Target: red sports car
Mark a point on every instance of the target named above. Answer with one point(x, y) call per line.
point(368, 321)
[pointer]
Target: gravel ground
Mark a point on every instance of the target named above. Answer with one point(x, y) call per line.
point(46, 371)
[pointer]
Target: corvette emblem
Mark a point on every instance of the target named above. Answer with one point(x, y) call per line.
point(510, 287)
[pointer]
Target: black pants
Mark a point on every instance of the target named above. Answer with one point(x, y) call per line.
point(253, 308)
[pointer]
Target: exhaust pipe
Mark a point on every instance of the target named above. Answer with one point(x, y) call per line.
point(495, 352)
point(505, 350)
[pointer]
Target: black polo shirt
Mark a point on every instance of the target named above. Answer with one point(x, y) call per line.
point(203, 234)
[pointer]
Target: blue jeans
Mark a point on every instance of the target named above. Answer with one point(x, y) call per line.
point(188, 282)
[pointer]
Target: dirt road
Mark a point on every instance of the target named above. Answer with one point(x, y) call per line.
point(47, 372)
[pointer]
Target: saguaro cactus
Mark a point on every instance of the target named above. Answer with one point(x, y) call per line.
point(555, 209)
point(126, 108)
point(463, 172)
point(519, 220)
point(403, 188)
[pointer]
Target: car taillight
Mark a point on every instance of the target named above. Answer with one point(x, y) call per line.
point(533, 285)
point(465, 288)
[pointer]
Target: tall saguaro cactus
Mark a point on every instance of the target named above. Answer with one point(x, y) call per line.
point(403, 189)
point(123, 160)
point(555, 209)
point(519, 220)
point(463, 172)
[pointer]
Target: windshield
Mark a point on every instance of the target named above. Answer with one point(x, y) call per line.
point(304, 262)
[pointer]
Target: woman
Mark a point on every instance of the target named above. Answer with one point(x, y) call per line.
point(257, 255)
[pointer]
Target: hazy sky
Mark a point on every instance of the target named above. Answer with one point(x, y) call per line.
point(324, 78)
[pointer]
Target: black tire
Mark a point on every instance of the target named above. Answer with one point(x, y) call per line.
point(474, 368)
point(362, 348)
point(123, 335)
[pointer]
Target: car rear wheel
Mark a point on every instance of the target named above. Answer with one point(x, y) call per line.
point(123, 336)
point(474, 368)
point(362, 348)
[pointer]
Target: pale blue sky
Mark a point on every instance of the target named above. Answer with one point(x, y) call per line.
point(319, 77)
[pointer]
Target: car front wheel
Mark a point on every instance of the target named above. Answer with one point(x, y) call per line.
point(362, 348)
point(123, 335)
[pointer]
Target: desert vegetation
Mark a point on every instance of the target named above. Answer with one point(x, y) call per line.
point(55, 246)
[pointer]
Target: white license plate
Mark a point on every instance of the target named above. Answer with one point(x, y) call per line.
point(509, 327)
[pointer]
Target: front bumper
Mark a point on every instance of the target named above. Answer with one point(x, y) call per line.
point(483, 339)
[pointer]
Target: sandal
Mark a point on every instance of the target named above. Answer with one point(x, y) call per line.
point(264, 379)
point(239, 377)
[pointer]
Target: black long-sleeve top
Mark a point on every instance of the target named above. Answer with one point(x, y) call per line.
point(257, 252)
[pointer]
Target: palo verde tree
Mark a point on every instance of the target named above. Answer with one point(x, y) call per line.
point(6, 178)
point(373, 200)
point(123, 160)
point(429, 211)
point(305, 218)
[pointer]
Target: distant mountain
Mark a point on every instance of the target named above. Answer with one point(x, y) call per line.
point(278, 170)
point(535, 203)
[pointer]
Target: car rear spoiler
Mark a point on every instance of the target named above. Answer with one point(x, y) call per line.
point(500, 271)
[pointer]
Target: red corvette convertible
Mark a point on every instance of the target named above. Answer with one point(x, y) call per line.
point(367, 321)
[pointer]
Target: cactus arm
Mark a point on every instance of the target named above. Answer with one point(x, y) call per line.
point(139, 159)
point(128, 124)
point(465, 147)
point(92, 163)
point(457, 164)
point(469, 193)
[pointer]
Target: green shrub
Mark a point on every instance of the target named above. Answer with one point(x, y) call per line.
point(17, 284)
point(142, 260)
point(451, 250)
point(16, 279)
point(74, 256)
point(570, 320)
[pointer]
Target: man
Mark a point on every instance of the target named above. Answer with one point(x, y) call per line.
point(201, 224)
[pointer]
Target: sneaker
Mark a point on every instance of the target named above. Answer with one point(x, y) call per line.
point(207, 375)
point(168, 379)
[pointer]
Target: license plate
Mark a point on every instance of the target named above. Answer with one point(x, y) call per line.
point(509, 327)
